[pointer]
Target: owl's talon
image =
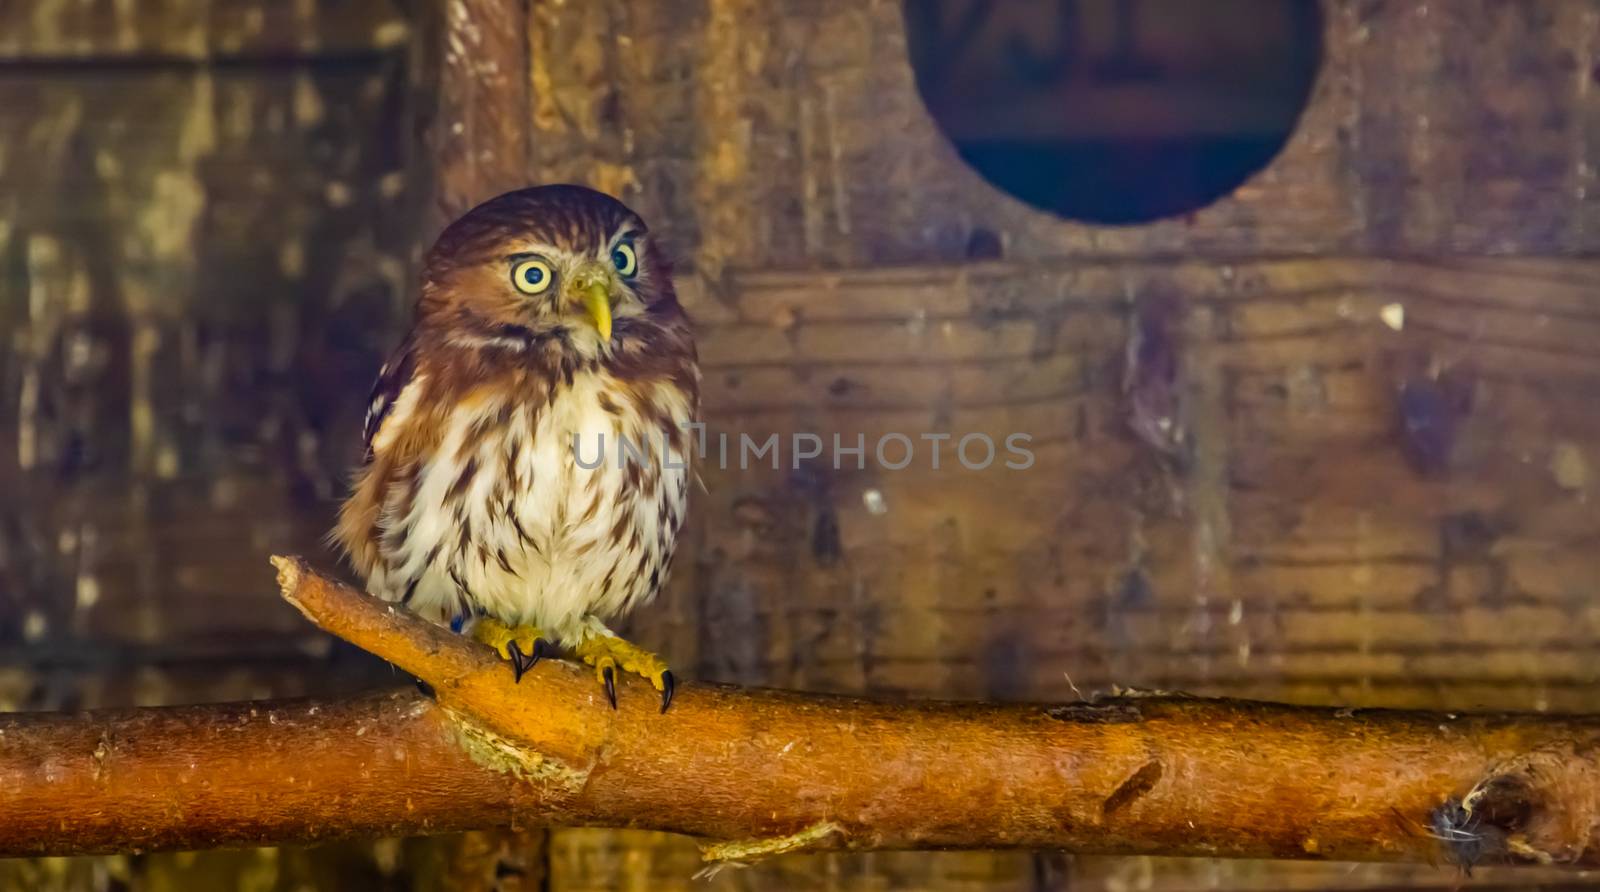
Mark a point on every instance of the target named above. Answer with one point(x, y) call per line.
point(521, 662)
point(609, 655)
point(667, 686)
point(521, 646)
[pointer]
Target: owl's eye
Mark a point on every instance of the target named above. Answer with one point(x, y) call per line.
point(532, 276)
point(626, 261)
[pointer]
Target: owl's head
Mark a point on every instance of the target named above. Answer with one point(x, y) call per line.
point(557, 263)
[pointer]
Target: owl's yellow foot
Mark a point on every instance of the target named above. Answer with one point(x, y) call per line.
point(524, 646)
point(607, 653)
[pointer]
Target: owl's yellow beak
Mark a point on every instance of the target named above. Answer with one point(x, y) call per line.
point(597, 302)
point(590, 286)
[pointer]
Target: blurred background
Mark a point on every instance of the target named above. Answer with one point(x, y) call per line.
point(1295, 298)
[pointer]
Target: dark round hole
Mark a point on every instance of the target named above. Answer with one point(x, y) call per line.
point(1116, 111)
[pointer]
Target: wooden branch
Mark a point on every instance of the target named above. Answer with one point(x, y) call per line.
point(773, 771)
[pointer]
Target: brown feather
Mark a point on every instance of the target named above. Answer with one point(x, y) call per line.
point(479, 347)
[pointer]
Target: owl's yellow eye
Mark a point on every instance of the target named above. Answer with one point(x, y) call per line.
point(532, 276)
point(624, 258)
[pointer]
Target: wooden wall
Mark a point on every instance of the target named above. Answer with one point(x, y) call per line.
point(1413, 260)
point(1329, 440)
point(202, 252)
point(790, 135)
point(206, 224)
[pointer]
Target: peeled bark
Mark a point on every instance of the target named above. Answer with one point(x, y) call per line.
point(772, 771)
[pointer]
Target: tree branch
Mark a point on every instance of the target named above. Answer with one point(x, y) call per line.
point(770, 771)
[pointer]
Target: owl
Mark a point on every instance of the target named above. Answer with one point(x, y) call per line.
point(528, 450)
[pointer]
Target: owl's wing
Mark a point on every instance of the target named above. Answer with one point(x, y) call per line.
point(392, 380)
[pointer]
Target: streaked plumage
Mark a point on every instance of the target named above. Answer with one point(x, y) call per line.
point(470, 501)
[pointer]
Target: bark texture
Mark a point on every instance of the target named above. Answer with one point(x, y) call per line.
point(769, 771)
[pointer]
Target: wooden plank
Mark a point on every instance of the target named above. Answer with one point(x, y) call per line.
point(826, 157)
point(106, 33)
point(197, 265)
point(1337, 545)
point(472, 100)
